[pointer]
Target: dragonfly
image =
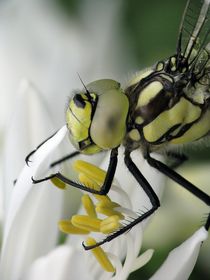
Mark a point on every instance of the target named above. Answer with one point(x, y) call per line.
point(162, 109)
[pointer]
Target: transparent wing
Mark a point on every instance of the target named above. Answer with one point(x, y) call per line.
point(194, 35)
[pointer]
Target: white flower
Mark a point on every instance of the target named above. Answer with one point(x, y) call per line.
point(35, 209)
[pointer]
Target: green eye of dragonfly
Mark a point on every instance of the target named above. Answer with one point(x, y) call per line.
point(159, 110)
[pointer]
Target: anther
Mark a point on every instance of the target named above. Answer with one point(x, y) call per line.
point(100, 255)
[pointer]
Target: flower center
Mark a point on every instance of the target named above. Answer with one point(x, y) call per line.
point(100, 215)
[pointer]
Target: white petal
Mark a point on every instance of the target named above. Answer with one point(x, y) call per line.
point(30, 228)
point(153, 176)
point(29, 125)
point(180, 262)
point(142, 259)
point(63, 263)
point(138, 197)
point(131, 254)
point(24, 183)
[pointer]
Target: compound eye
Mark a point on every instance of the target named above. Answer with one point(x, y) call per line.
point(108, 126)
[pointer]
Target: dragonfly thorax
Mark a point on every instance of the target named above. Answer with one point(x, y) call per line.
point(165, 108)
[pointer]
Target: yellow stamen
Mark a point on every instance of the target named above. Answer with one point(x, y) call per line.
point(88, 182)
point(100, 255)
point(108, 212)
point(110, 224)
point(102, 198)
point(108, 204)
point(89, 206)
point(86, 222)
point(90, 170)
point(58, 183)
point(66, 226)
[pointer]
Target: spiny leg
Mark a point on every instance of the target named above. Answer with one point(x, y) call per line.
point(144, 184)
point(65, 180)
point(65, 158)
point(69, 156)
point(27, 159)
point(104, 188)
point(163, 168)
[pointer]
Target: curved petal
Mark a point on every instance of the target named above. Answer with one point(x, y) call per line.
point(30, 123)
point(143, 259)
point(30, 229)
point(129, 259)
point(181, 261)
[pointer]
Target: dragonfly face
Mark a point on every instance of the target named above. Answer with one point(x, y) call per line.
point(96, 118)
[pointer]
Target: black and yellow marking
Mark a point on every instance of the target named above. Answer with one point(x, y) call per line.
point(149, 98)
point(183, 112)
point(198, 130)
point(160, 66)
point(139, 77)
point(134, 135)
point(78, 117)
point(148, 93)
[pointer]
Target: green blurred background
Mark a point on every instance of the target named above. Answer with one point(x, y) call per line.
point(150, 30)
